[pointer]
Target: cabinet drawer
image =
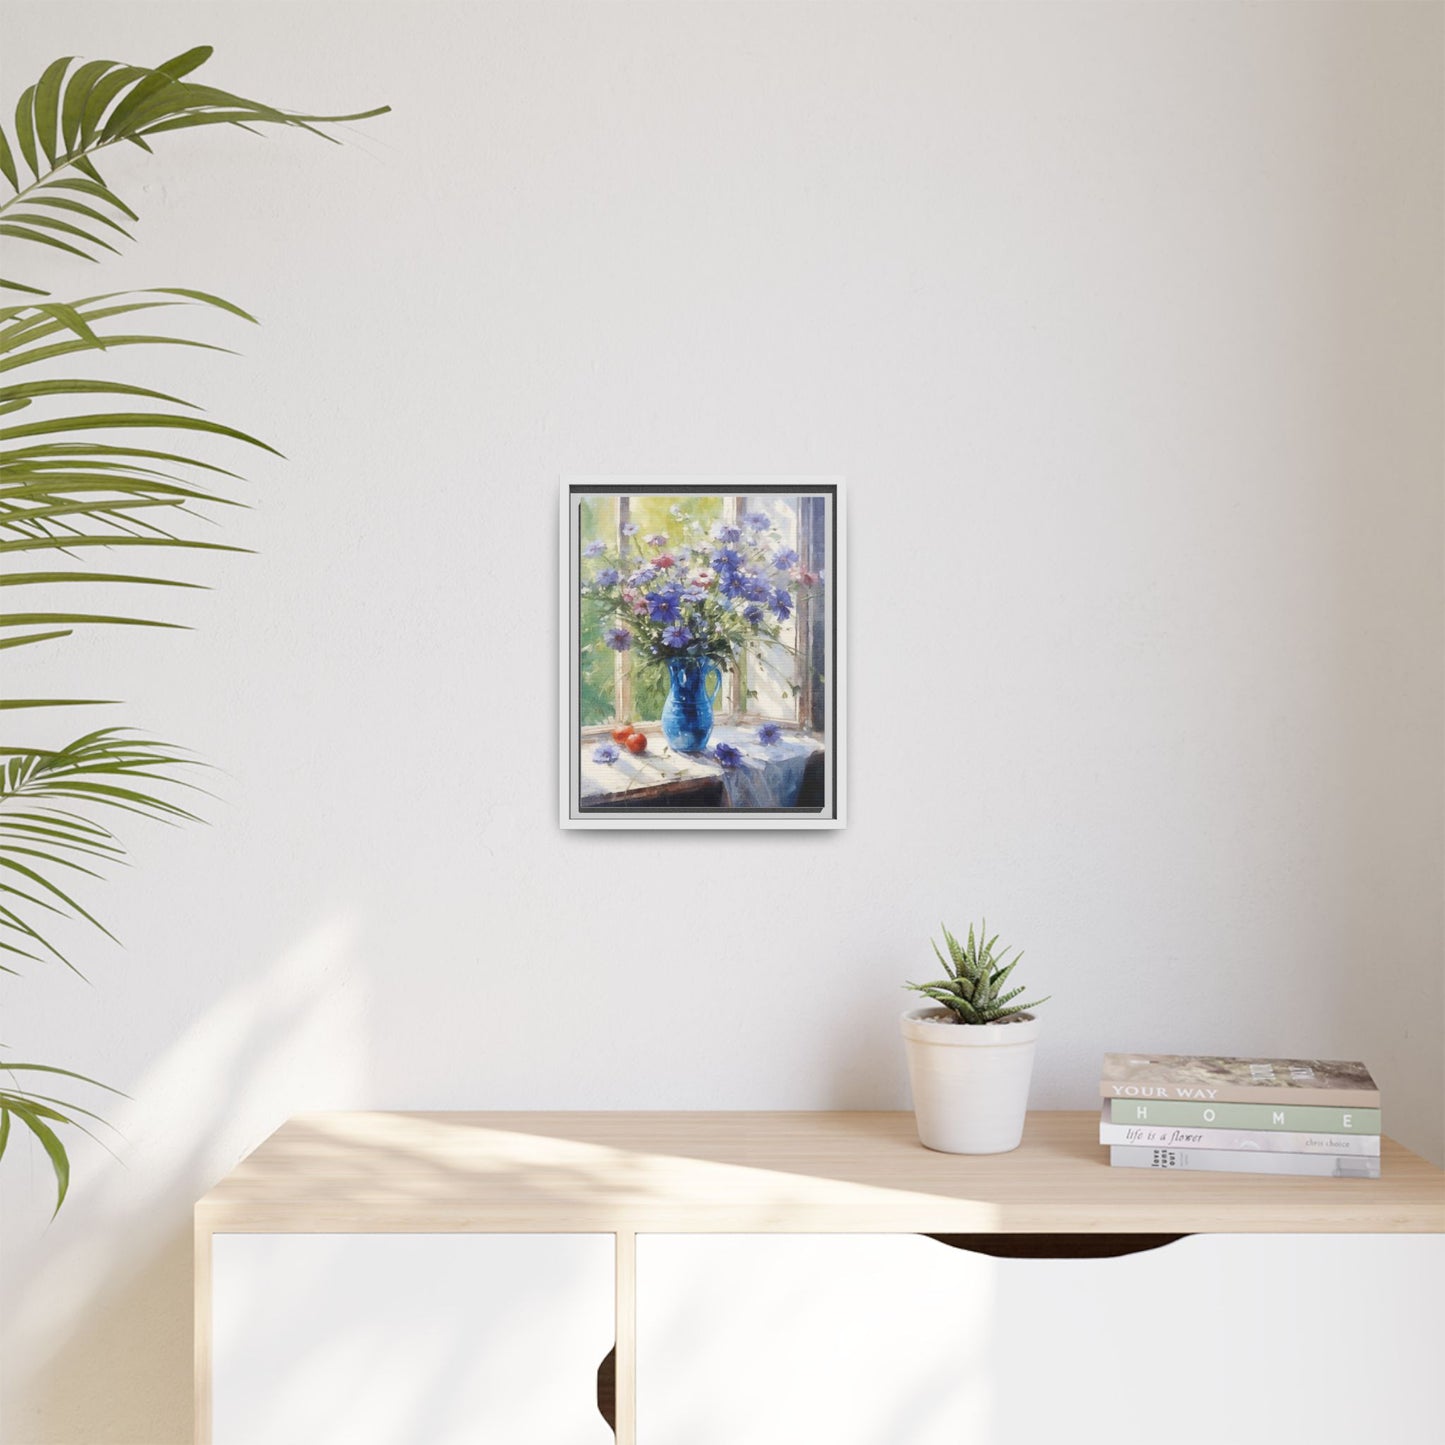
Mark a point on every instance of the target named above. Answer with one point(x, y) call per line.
point(392, 1339)
point(867, 1339)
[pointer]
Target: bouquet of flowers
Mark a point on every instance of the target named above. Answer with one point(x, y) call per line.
point(701, 593)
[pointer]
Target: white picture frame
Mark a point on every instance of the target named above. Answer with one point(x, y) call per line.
point(664, 788)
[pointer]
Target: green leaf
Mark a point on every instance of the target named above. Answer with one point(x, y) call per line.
point(7, 161)
point(77, 619)
point(47, 108)
point(948, 967)
point(153, 84)
point(50, 1142)
point(102, 93)
point(28, 579)
point(76, 92)
point(7, 1067)
point(25, 130)
point(14, 704)
point(100, 192)
point(205, 298)
point(117, 420)
point(78, 208)
point(66, 542)
point(187, 61)
point(33, 389)
point(67, 348)
point(54, 223)
point(20, 286)
point(30, 638)
point(24, 233)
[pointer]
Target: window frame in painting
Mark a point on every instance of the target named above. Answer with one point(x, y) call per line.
point(819, 693)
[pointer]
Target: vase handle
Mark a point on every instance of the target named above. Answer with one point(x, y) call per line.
point(716, 671)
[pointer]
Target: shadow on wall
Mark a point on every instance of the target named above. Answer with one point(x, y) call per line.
point(97, 1339)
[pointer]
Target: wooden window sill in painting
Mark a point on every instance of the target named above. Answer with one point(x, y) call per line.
point(772, 776)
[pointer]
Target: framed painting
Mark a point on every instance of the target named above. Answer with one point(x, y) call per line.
point(702, 652)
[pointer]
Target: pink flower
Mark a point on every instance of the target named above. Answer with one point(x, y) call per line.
point(704, 578)
point(640, 607)
point(664, 561)
point(808, 579)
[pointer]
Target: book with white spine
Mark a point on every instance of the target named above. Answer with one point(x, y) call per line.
point(1261, 1141)
point(1235, 1161)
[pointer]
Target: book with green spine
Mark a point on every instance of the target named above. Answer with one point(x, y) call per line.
point(1306, 1118)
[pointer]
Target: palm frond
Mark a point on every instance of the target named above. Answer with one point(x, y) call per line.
point(71, 482)
point(41, 1113)
point(74, 111)
point(110, 769)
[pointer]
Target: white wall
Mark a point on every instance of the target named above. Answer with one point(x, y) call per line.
point(1123, 323)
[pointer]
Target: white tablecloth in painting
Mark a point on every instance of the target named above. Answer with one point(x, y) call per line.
point(767, 777)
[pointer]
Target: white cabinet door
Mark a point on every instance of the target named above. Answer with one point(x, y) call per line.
point(410, 1339)
point(900, 1340)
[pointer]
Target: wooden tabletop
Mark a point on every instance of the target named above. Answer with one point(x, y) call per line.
point(826, 1172)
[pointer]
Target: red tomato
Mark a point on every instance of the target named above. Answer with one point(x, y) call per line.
point(620, 735)
point(635, 743)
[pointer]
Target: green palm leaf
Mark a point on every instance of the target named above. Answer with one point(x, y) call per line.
point(69, 116)
point(72, 482)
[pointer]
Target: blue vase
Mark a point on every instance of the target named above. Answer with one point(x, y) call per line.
point(687, 713)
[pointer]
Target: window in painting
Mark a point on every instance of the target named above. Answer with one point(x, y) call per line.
point(777, 678)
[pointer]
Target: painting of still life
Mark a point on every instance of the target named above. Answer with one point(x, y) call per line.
point(701, 678)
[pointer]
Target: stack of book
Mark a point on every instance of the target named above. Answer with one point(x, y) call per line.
point(1241, 1116)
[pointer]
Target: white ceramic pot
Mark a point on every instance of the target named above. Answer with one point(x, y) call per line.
point(970, 1081)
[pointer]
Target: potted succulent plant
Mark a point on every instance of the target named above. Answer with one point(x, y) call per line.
point(970, 1058)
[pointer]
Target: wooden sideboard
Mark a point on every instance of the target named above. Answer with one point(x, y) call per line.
point(624, 1182)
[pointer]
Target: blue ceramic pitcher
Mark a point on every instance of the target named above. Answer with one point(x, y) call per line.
point(687, 713)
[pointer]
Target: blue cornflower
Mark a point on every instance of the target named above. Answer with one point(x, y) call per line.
point(605, 753)
point(642, 577)
point(683, 553)
point(726, 560)
point(594, 549)
point(657, 539)
point(662, 606)
point(676, 636)
point(769, 733)
point(628, 529)
point(726, 532)
point(608, 577)
point(727, 755)
point(785, 559)
point(782, 604)
point(619, 639)
point(753, 615)
point(694, 594)
point(755, 588)
point(757, 521)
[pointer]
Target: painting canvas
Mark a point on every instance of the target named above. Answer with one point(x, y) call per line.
point(702, 664)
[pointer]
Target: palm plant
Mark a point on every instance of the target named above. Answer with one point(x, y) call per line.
point(974, 987)
point(76, 483)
